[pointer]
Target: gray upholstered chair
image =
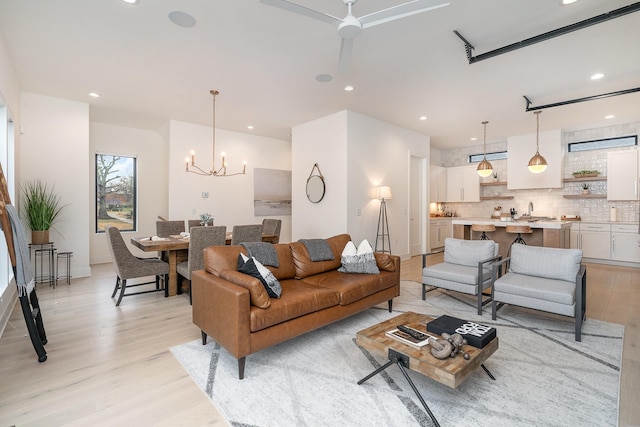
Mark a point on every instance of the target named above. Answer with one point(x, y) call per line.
point(546, 279)
point(129, 266)
point(467, 268)
point(246, 233)
point(272, 226)
point(193, 223)
point(200, 238)
point(168, 228)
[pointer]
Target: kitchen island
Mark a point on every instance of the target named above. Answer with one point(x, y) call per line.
point(552, 234)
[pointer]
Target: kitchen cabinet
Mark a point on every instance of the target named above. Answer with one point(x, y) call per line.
point(622, 175)
point(594, 239)
point(439, 229)
point(437, 184)
point(521, 148)
point(625, 243)
point(463, 184)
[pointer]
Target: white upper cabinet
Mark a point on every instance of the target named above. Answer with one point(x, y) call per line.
point(622, 175)
point(437, 184)
point(521, 148)
point(463, 184)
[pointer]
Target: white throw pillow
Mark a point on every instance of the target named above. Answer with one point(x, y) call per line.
point(361, 260)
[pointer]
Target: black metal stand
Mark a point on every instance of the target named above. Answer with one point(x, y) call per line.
point(383, 228)
point(402, 360)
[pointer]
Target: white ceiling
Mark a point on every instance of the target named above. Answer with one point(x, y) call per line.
point(264, 60)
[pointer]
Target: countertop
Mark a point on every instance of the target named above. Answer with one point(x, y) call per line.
point(554, 224)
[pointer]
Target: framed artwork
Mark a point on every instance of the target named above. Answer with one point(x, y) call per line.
point(271, 192)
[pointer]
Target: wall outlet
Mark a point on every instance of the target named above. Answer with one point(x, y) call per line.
point(205, 194)
point(358, 212)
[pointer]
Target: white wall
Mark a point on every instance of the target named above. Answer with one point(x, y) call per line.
point(54, 148)
point(322, 141)
point(355, 153)
point(230, 199)
point(151, 151)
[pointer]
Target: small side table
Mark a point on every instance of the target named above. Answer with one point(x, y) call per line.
point(42, 250)
point(66, 256)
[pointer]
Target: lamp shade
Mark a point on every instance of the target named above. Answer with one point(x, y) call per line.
point(537, 164)
point(484, 168)
point(383, 192)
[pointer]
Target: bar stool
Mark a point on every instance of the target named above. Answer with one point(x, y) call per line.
point(483, 228)
point(519, 230)
point(67, 257)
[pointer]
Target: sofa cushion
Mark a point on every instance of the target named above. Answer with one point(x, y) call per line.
point(468, 252)
point(551, 263)
point(298, 298)
point(539, 288)
point(257, 293)
point(254, 268)
point(220, 258)
point(360, 260)
point(303, 264)
point(454, 273)
point(350, 287)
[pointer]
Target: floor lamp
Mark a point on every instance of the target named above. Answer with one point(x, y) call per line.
point(383, 193)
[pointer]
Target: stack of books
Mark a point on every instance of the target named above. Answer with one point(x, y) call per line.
point(476, 334)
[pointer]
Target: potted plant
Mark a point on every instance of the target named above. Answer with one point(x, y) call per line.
point(585, 173)
point(41, 207)
point(495, 177)
point(205, 219)
point(585, 188)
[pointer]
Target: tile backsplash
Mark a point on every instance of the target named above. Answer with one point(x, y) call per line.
point(550, 202)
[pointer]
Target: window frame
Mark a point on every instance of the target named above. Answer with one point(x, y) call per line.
point(126, 201)
point(634, 138)
point(494, 155)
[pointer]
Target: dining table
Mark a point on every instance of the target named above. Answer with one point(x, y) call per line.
point(174, 250)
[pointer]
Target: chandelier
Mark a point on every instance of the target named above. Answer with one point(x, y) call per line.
point(222, 171)
point(537, 164)
point(484, 167)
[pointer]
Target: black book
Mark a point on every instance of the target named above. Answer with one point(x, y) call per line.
point(476, 334)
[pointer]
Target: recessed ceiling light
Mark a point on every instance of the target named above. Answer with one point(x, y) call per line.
point(597, 76)
point(566, 2)
point(473, 138)
point(423, 117)
point(94, 94)
point(324, 78)
point(610, 116)
point(182, 19)
point(131, 1)
point(250, 127)
point(348, 88)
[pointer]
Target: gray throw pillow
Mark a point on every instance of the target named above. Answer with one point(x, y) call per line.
point(361, 260)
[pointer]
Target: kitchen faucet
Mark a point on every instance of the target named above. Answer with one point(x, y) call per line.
point(530, 209)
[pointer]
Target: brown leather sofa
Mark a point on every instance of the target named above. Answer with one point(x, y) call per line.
point(232, 309)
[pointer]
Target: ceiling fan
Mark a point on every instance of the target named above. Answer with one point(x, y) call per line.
point(350, 27)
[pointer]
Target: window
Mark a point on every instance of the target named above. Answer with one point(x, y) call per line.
point(599, 144)
point(116, 189)
point(497, 155)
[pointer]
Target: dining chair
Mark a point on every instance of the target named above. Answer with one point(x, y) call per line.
point(246, 233)
point(200, 237)
point(193, 223)
point(128, 266)
point(272, 226)
point(168, 228)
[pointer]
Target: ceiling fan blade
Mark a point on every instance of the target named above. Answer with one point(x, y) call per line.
point(346, 46)
point(302, 10)
point(400, 11)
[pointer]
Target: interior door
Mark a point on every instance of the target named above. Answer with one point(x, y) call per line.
point(417, 204)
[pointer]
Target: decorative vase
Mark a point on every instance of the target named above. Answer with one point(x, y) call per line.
point(38, 237)
point(585, 191)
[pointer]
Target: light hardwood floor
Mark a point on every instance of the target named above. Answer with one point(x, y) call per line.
point(112, 366)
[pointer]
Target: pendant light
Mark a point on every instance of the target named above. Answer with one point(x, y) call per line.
point(222, 171)
point(537, 164)
point(484, 167)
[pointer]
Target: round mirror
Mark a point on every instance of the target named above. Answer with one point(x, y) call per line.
point(315, 188)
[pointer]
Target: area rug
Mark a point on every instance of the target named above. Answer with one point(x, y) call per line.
point(543, 377)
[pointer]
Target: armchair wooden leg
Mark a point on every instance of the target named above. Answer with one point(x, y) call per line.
point(123, 285)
